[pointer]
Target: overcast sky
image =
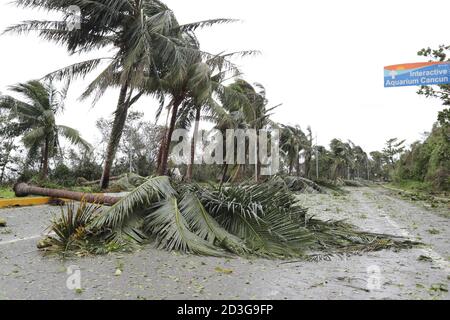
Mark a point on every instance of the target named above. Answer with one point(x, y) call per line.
point(322, 59)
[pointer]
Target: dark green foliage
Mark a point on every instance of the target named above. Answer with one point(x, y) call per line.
point(427, 162)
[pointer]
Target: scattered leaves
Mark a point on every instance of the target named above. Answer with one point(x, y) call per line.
point(224, 271)
point(424, 258)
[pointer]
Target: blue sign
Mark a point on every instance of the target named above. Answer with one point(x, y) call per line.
point(417, 74)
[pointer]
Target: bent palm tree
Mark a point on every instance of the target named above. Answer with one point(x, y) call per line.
point(292, 143)
point(36, 119)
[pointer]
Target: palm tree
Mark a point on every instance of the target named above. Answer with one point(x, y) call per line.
point(292, 143)
point(194, 89)
point(148, 43)
point(36, 119)
point(343, 158)
point(244, 106)
point(211, 91)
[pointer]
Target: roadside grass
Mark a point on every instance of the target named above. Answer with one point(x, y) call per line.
point(6, 192)
point(411, 185)
point(420, 191)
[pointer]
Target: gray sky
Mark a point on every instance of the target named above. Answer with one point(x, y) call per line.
point(322, 59)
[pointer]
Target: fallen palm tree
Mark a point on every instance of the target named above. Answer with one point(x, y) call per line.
point(247, 219)
point(23, 190)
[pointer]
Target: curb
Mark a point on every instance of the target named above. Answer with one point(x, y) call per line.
point(24, 202)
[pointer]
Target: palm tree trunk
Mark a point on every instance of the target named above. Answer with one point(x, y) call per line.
point(308, 163)
point(258, 162)
point(23, 190)
point(224, 174)
point(194, 140)
point(297, 165)
point(116, 134)
point(44, 172)
point(162, 171)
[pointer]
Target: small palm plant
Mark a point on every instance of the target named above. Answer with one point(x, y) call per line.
point(71, 228)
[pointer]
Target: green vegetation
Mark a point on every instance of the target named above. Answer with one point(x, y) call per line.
point(426, 166)
point(6, 193)
point(410, 185)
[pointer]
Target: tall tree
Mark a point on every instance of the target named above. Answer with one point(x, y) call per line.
point(292, 143)
point(36, 119)
point(393, 148)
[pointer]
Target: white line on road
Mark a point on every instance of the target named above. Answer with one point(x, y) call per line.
point(26, 239)
point(18, 240)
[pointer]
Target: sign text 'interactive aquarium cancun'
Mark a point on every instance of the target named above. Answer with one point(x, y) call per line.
point(417, 74)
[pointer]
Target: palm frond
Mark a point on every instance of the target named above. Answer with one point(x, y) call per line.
point(153, 190)
point(206, 227)
point(193, 26)
point(172, 231)
point(74, 137)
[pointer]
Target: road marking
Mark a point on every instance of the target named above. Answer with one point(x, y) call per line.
point(18, 240)
point(27, 238)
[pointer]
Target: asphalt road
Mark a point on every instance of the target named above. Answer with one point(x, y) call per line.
point(419, 273)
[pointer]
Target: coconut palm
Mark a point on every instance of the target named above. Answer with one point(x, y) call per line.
point(292, 143)
point(247, 108)
point(196, 88)
point(36, 119)
point(343, 158)
point(213, 89)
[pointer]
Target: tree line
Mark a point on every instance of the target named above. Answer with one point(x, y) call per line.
point(154, 55)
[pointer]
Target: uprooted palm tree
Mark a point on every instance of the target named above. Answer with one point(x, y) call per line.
point(148, 43)
point(35, 116)
point(262, 219)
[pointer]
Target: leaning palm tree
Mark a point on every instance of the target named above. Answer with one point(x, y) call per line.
point(207, 97)
point(193, 88)
point(35, 115)
point(244, 107)
point(292, 143)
